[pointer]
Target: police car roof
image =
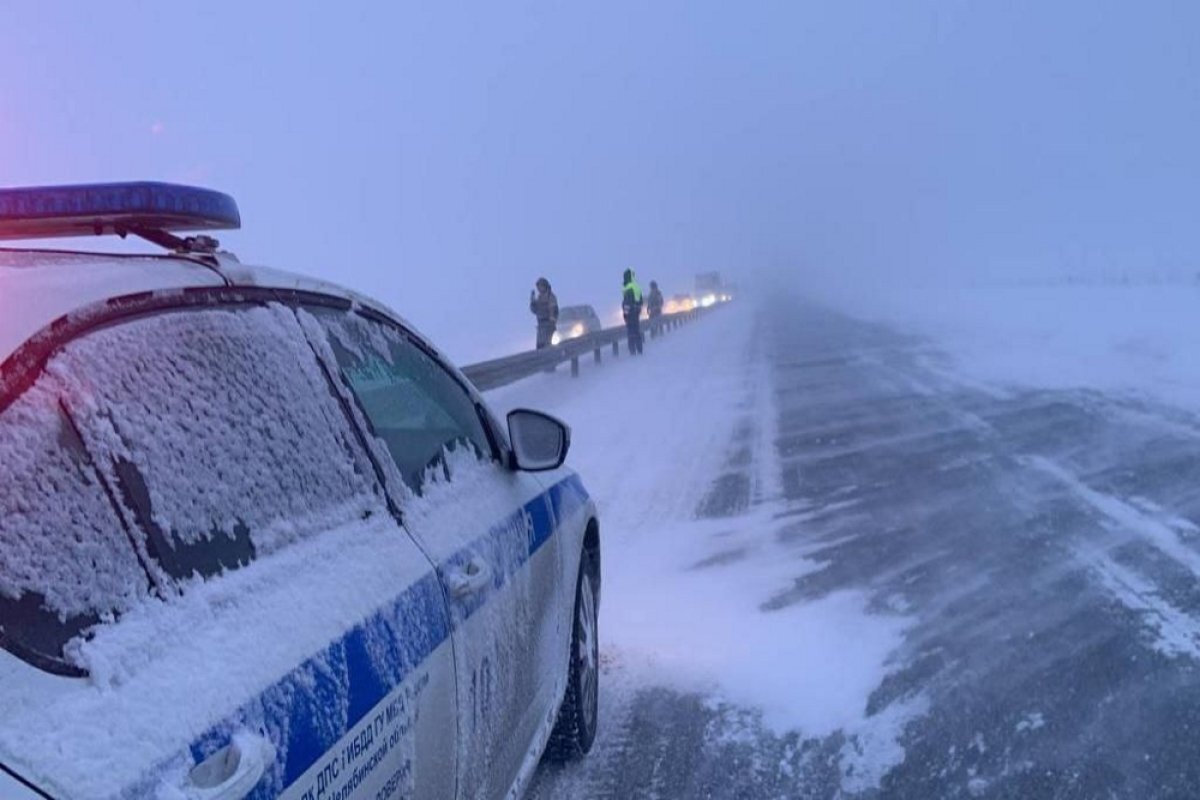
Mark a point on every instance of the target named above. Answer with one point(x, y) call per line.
point(38, 287)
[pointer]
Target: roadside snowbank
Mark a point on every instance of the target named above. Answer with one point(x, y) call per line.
point(683, 597)
point(1139, 339)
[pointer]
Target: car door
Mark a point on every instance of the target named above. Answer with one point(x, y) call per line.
point(290, 639)
point(488, 528)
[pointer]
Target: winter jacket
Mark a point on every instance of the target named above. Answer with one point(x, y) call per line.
point(655, 302)
point(544, 306)
point(631, 301)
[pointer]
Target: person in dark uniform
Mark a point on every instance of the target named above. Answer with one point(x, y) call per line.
point(544, 305)
point(654, 307)
point(654, 301)
point(631, 307)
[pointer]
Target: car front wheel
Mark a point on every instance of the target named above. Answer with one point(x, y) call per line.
point(575, 729)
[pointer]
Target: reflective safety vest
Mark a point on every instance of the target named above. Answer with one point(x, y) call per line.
point(632, 286)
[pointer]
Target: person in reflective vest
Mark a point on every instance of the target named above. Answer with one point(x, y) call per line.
point(631, 307)
point(544, 306)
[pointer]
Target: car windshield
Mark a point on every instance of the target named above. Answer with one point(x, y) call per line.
point(575, 313)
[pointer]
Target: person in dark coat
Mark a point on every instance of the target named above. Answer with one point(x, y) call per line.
point(631, 308)
point(544, 305)
point(654, 301)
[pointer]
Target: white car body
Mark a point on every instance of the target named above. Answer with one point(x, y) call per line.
point(426, 657)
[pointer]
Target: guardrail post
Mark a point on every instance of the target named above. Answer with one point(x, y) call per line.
point(574, 366)
point(616, 348)
point(596, 355)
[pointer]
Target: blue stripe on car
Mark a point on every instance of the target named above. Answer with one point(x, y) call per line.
point(567, 497)
point(355, 672)
point(375, 657)
point(542, 523)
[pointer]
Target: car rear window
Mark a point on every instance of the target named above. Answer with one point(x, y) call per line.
point(219, 429)
point(66, 562)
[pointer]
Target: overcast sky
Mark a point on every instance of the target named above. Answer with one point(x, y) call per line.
point(442, 156)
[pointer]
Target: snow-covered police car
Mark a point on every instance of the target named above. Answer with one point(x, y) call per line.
point(259, 539)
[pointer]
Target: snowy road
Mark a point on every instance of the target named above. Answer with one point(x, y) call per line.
point(833, 568)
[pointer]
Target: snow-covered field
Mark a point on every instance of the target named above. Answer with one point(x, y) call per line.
point(1126, 339)
point(682, 595)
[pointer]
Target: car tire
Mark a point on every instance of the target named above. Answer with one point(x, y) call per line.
point(575, 729)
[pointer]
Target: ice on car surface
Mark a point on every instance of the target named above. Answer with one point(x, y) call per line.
point(63, 543)
point(228, 420)
point(225, 422)
point(214, 429)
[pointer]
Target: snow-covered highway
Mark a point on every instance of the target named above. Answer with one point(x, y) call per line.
point(834, 567)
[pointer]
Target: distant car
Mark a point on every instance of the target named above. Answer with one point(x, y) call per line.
point(678, 303)
point(576, 321)
point(259, 539)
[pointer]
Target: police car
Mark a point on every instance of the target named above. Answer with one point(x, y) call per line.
point(259, 539)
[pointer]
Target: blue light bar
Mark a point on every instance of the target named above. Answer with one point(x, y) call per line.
point(48, 212)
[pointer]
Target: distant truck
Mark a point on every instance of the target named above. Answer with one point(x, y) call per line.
point(709, 288)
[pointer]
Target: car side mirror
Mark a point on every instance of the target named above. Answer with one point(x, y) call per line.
point(539, 441)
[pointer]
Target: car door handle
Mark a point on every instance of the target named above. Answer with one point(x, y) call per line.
point(231, 773)
point(472, 577)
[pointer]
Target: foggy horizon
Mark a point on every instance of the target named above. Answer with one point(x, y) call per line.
point(443, 159)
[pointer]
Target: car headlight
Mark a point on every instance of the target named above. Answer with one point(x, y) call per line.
point(555, 338)
point(577, 330)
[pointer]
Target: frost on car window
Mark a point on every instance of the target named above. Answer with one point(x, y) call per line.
point(66, 561)
point(357, 337)
point(220, 431)
point(411, 403)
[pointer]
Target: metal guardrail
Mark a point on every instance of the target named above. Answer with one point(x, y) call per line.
point(501, 371)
